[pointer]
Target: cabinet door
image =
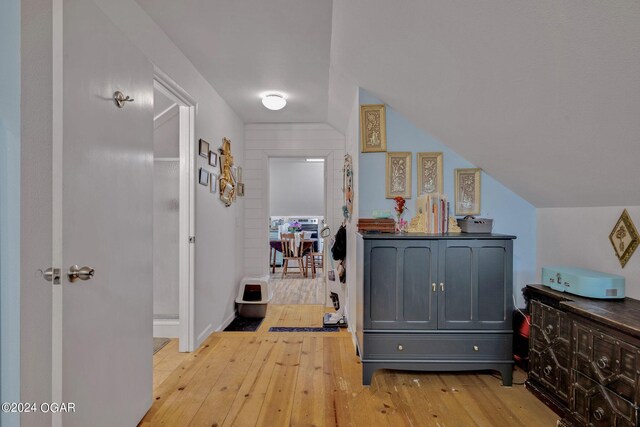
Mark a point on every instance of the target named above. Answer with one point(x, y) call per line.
point(399, 277)
point(475, 285)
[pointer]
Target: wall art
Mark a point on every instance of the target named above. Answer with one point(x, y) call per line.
point(398, 175)
point(203, 177)
point(373, 132)
point(204, 148)
point(467, 191)
point(213, 158)
point(624, 238)
point(430, 173)
point(226, 180)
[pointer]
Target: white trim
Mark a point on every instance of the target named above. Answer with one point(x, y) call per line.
point(187, 110)
point(166, 328)
point(165, 115)
point(226, 322)
point(205, 334)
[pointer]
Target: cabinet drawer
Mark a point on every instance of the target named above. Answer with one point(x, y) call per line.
point(594, 405)
point(445, 347)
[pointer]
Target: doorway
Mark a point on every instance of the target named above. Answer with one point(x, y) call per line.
point(173, 213)
point(297, 204)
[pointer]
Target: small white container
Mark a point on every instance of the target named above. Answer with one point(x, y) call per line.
point(253, 296)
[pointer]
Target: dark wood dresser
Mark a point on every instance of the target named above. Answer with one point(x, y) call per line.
point(585, 357)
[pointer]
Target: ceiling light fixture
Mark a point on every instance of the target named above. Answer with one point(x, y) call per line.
point(315, 160)
point(274, 101)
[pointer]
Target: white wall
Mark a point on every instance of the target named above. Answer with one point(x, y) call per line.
point(296, 187)
point(579, 237)
point(263, 141)
point(10, 207)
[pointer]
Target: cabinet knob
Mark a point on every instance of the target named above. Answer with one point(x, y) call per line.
point(603, 362)
point(598, 414)
point(400, 347)
point(442, 286)
point(549, 329)
point(433, 286)
point(547, 370)
point(476, 348)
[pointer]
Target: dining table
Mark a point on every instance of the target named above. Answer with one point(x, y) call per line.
point(275, 246)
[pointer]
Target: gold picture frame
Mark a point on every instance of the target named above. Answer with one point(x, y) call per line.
point(467, 191)
point(430, 173)
point(373, 128)
point(398, 175)
point(624, 238)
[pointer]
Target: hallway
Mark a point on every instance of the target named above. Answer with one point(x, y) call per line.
point(279, 379)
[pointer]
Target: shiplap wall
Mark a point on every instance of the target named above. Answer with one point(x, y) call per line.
point(263, 141)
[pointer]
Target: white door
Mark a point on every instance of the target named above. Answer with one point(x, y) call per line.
point(106, 206)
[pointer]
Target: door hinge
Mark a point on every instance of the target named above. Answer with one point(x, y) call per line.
point(192, 239)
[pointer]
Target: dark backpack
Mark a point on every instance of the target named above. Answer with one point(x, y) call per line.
point(339, 248)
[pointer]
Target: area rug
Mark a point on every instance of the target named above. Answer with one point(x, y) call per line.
point(244, 324)
point(299, 329)
point(158, 343)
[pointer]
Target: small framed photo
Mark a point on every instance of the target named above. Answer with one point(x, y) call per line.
point(239, 174)
point(234, 174)
point(203, 177)
point(467, 191)
point(240, 189)
point(213, 183)
point(398, 175)
point(624, 238)
point(429, 173)
point(213, 158)
point(204, 148)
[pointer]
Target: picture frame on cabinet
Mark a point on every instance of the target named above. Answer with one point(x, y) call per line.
point(203, 148)
point(467, 191)
point(203, 177)
point(373, 128)
point(624, 238)
point(430, 179)
point(398, 175)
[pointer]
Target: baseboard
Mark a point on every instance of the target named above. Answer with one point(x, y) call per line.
point(204, 335)
point(226, 322)
point(166, 328)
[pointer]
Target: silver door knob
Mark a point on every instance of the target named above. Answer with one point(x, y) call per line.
point(84, 273)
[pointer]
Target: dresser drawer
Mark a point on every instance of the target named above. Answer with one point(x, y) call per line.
point(607, 360)
point(595, 405)
point(446, 347)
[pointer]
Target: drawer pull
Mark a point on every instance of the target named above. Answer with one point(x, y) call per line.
point(598, 414)
point(433, 286)
point(549, 329)
point(476, 348)
point(603, 362)
point(547, 370)
point(400, 347)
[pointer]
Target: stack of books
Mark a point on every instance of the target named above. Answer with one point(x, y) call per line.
point(436, 211)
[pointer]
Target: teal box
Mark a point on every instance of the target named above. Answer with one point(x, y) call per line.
point(584, 282)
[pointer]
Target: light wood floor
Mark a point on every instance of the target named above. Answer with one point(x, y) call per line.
point(297, 379)
point(296, 289)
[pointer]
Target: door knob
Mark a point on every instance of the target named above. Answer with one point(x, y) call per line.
point(84, 273)
point(51, 275)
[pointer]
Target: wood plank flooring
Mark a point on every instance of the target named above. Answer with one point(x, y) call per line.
point(298, 289)
point(302, 379)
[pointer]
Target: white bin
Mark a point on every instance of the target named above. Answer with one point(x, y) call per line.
point(253, 296)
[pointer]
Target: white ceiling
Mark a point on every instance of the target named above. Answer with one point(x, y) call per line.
point(543, 95)
point(245, 48)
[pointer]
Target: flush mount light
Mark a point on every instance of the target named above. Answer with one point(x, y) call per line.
point(273, 101)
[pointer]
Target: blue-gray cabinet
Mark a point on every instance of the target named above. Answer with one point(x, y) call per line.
point(435, 302)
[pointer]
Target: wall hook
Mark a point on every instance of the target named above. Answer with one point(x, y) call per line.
point(120, 99)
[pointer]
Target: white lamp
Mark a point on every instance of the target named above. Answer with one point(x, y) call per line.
point(274, 101)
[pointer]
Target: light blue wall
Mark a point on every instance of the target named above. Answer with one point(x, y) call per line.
point(10, 207)
point(510, 212)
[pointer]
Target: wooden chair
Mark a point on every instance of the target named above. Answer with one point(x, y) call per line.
point(316, 260)
point(291, 252)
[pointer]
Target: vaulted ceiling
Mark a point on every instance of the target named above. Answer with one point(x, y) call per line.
point(544, 95)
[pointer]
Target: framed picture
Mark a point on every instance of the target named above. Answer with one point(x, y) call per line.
point(373, 128)
point(467, 191)
point(398, 175)
point(240, 189)
point(213, 183)
point(624, 238)
point(239, 174)
point(213, 158)
point(203, 177)
point(204, 148)
point(429, 173)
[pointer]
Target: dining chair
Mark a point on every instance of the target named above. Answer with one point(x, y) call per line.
point(292, 251)
point(314, 260)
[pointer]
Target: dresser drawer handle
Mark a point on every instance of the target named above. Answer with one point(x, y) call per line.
point(400, 347)
point(547, 370)
point(549, 329)
point(598, 414)
point(603, 362)
point(476, 348)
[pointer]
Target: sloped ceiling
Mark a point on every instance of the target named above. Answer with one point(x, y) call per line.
point(544, 95)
